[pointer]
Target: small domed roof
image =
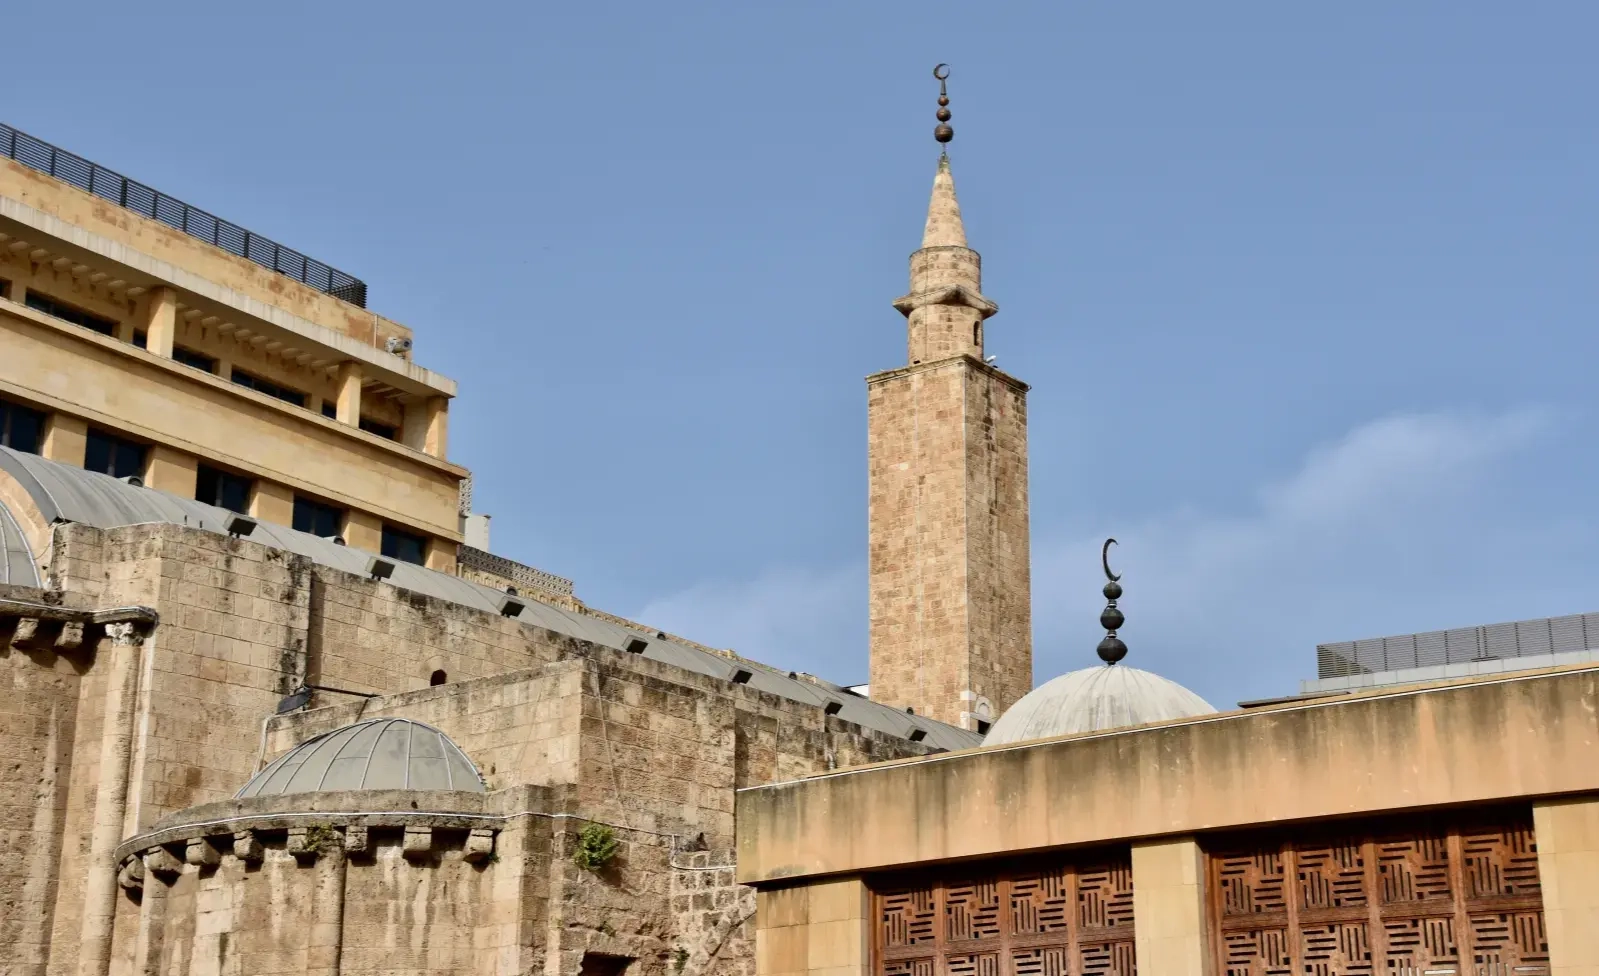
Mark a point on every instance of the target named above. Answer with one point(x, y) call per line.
point(1111, 696)
point(377, 754)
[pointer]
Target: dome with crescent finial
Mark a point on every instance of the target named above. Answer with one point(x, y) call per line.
point(1111, 696)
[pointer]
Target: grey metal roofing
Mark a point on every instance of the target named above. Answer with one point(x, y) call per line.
point(68, 493)
point(377, 754)
point(1111, 696)
point(17, 566)
point(1463, 645)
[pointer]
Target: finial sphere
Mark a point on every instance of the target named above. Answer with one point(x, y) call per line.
point(943, 133)
point(1111, 650)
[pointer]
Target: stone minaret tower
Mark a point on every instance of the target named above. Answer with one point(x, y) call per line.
point(951, 614)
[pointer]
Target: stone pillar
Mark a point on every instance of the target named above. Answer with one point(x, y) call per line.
point(441, 555)
point(65, 439)
point(17, 292)
point(121, 667)
point(271, 502)
point(1568, 866)
point(161, 321)
point(349, 403)
point(363, 531)
point(427, 425)
point(1169, 907)
point(152, 926)
point(326, 939)
point(172, 471)
point(818, 929)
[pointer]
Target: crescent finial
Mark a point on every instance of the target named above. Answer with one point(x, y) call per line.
point(1104, 560)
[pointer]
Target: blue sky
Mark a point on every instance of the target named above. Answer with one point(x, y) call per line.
point(1307, 297)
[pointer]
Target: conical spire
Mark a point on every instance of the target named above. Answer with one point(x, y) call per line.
point(944, 227)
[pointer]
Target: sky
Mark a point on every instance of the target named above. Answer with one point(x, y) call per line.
point(1306, 295)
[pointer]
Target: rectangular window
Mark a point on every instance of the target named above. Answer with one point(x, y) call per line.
point(330, 410)
point(224, 489)
point(407, 547)
point(317, 518)
point(271, 389)
point(194, 360)
point(69, 313)
point(141, 338)
point(109, 454)
point(20, 427)
point(382, 430)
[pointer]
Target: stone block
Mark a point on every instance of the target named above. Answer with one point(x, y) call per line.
point(131, 875)
point(159, 861)
point(418, 841)
point(479, 845)
point(355, 838)
point(247, 847)
point(200, 852)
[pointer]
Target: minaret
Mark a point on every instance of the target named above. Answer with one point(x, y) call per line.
point(951, 617)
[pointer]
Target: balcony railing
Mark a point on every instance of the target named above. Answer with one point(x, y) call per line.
point(141, 199)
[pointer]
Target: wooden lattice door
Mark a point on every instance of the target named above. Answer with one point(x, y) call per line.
point(1054, 918)
point(1441, 896)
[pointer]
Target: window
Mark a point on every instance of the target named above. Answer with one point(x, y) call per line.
point(603, 964)
point(194, 360)
point(317, 518)
point(109, 454)
point(330, 410)
point(76, 316)
point(271, 389)
point(224, 489)
point(382, 430)
point(405, 546)
point(141, 338)
point(438, 678)
point(20, 427)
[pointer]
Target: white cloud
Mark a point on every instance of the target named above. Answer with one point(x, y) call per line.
point(1409, 522)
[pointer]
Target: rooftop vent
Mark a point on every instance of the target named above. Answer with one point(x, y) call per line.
point(636, 645)
point(742, 676)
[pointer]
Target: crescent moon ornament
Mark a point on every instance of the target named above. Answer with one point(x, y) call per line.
point(1104, 560)
point(941, 67)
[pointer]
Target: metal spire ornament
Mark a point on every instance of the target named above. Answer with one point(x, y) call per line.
point(1111, 649)
point(942, 132)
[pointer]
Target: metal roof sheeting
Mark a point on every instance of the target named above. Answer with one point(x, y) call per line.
point(71, 494)
point(377, 754)
point(17, 565)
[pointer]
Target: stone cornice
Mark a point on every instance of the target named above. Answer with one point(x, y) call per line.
point(946, 295)
point(973, 363)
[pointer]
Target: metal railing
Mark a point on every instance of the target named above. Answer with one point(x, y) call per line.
point(108, 185)
point(1523, 638)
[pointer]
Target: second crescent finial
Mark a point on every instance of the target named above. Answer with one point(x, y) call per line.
point(942, 132)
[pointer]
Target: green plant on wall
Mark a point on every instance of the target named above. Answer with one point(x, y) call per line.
point(679, 959)
point(320, 838)
point(596, 845)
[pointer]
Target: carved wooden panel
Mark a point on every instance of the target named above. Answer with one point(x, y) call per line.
point(1055, 918)
point(1439, 896)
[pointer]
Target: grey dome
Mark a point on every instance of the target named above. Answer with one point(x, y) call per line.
point(377, 754)
point(1093, 699)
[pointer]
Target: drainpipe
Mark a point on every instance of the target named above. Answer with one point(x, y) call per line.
point(110, 799)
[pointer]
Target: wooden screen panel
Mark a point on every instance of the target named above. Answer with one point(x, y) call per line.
point(1451, 895)
point(1044, 918)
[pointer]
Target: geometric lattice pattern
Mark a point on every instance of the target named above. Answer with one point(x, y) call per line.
point(1442, 895)
point(1056, 919)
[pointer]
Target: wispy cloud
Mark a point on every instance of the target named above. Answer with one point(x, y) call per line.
point(1405, 523)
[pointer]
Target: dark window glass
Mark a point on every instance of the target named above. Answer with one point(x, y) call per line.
point(141, 338)
point(76, 316)
point(5, 287)
point(110, 454)
point(224, 489)
point(268, 387)
point(20, 427)
point(330, 409)
point(317, 518)
point(382, 430)
point(407, 547)
point(189, 357)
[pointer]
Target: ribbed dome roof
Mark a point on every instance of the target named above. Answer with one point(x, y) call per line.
point(1107, 697)
point(377, 754)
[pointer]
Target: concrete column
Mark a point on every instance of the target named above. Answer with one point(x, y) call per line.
point(441, 555)
point(363, 531)
point(349, 403)
point(327, 914)
point(152, 926)
point(121, 668)
point(172, 471)
point(818, 929)
point(65, 439)
point(271, 502)
point(1169, 906)
point(427, 425)
point(161, 321)
point(1568, 866)
point(17, 292)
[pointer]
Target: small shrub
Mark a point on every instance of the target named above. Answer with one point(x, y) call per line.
point(596, 845)
point(679, 959)
point(320, 838)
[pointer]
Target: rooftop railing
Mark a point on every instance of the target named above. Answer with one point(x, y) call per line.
point(109, 185)
point(1522, 638)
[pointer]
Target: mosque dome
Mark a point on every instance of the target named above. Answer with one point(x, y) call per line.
point(377, 754)
point(1110, 696)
